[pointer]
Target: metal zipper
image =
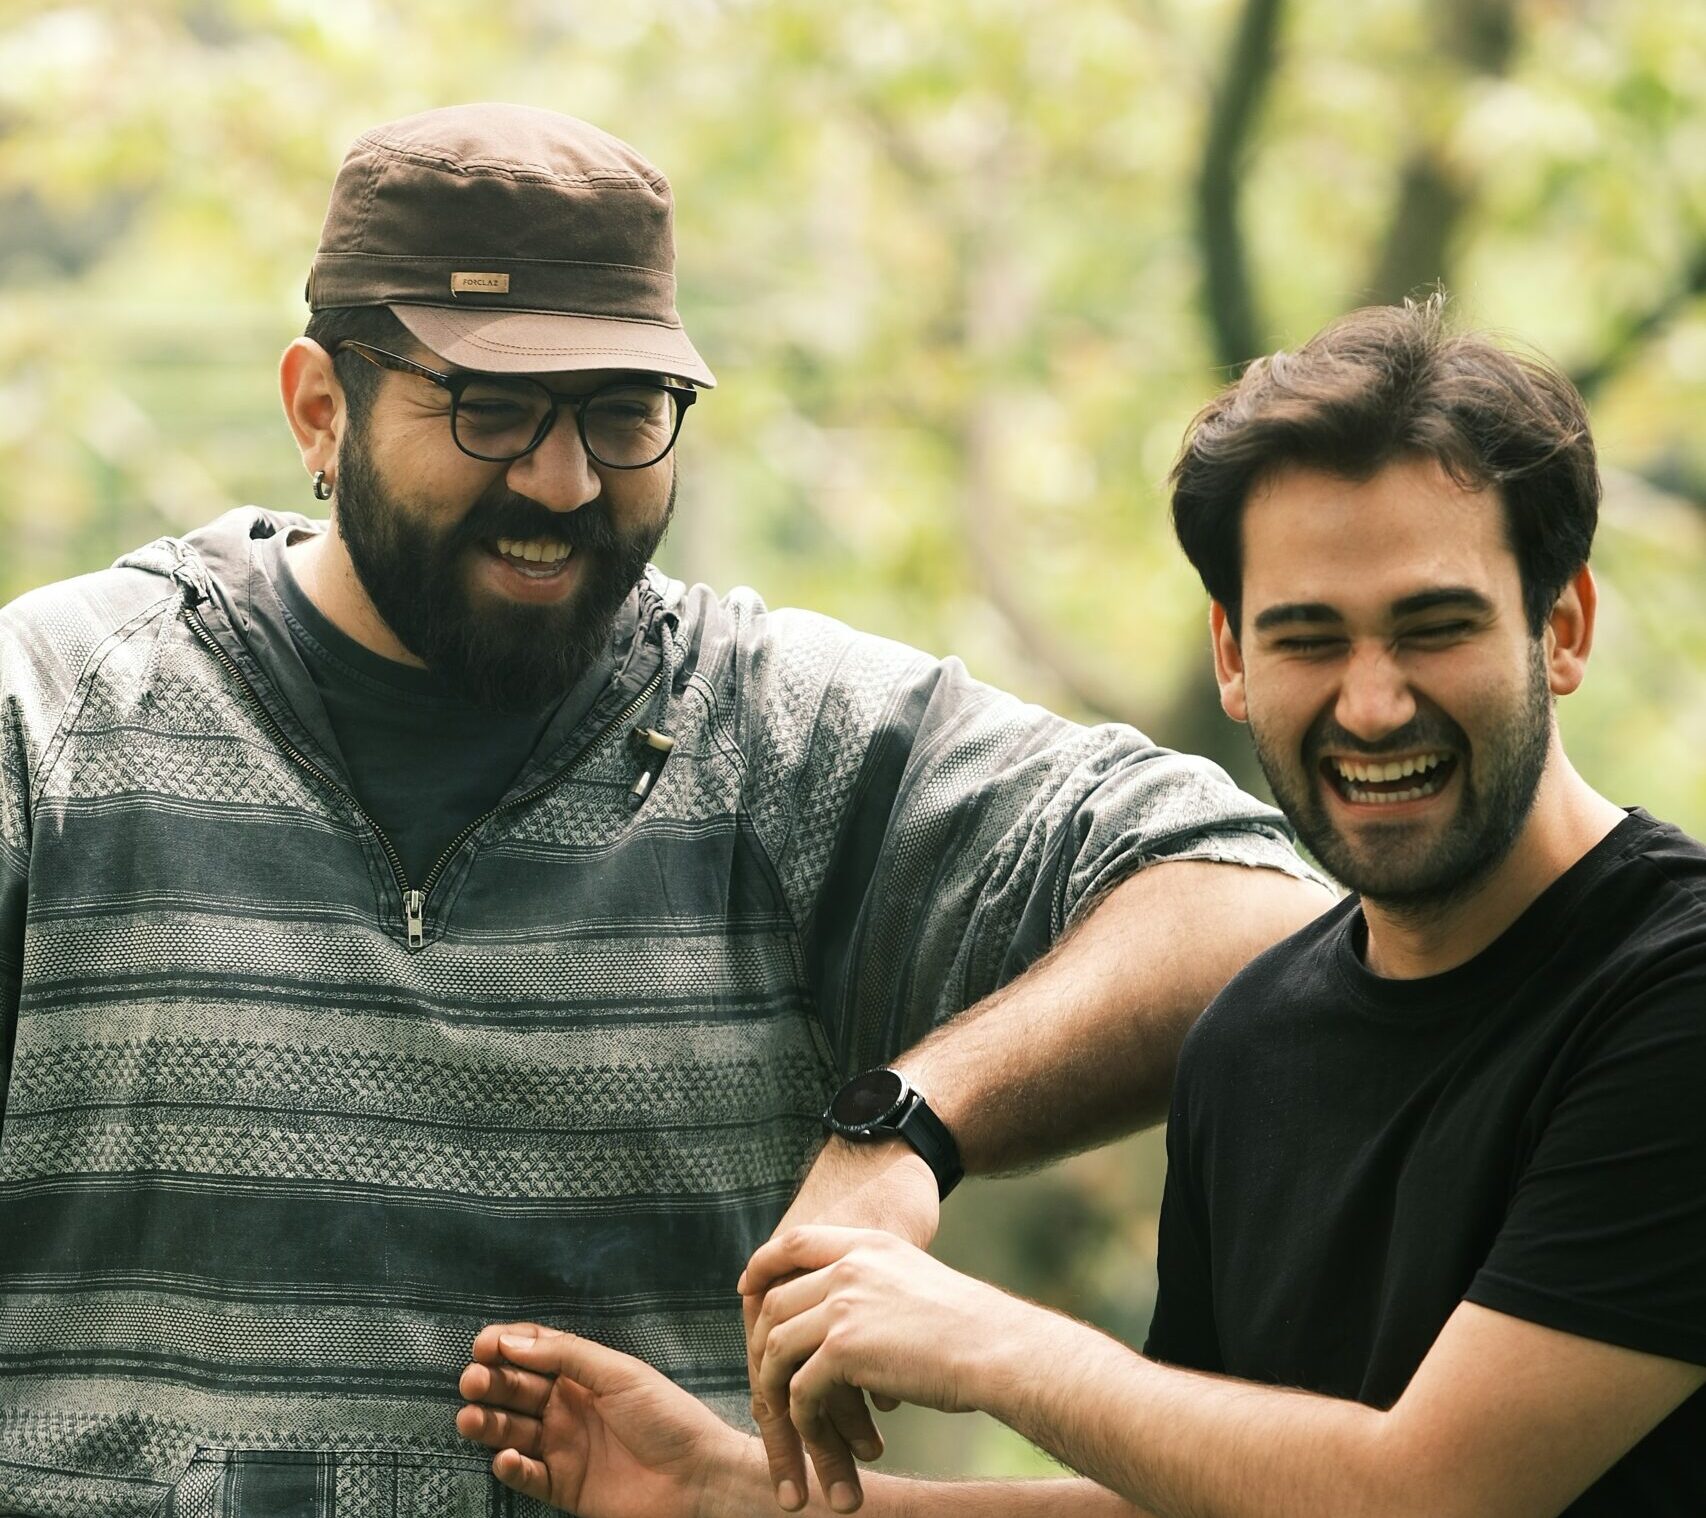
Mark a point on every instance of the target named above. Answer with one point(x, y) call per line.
point(626, 715)
point(414, 901)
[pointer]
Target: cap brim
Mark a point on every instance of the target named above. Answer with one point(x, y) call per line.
point(551, 342)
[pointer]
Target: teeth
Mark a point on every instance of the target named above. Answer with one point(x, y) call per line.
point(533, 551)
point(1355, 776)
point(1397, 769)
point(1387, 798)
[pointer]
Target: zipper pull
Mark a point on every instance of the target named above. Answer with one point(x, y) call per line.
point(655, 748)
point(414, 916)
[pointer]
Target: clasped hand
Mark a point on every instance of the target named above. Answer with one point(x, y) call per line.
point(833, 1309)
point(877, 1185)
point(863, 1310)
point(581, 1426)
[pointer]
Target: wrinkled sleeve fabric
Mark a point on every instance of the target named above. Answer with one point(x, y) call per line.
point(14, 875)
point(50, 640)
point(15, 770)
point(935, 836)
point(1606, 1233)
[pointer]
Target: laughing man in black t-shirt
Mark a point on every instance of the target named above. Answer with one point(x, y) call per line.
point(1434, 1236)
point(1443, 1151)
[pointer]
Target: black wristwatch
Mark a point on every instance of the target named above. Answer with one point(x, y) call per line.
point(883, 1104)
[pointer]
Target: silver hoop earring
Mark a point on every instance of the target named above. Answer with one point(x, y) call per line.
point(322, 491)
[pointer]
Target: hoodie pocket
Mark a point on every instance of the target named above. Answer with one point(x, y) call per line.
point(251, 1483)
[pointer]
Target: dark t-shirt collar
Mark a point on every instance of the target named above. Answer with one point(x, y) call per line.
point(1513, 955)
point(332, 644)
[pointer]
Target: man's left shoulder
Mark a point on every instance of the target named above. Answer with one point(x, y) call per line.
point(1677, 862)
point(1650, 899)
point(734, 637)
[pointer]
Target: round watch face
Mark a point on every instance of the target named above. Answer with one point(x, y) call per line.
point(867, 1098)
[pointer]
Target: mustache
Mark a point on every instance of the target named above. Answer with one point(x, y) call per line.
point(507, 515)
point(1431, 731)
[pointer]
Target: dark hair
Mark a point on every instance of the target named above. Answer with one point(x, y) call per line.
point(374, 325)
point(1378, 386)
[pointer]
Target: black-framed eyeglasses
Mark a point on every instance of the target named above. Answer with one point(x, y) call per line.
point(499, 418)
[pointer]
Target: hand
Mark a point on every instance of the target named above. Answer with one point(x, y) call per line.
point(870, 1312)
point(880, 1185)
point(582, 1426)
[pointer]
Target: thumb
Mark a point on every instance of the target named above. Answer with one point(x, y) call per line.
point(595, 1366)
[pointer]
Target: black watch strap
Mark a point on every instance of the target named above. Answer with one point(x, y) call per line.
point(929, 1135)
point(882, 1103)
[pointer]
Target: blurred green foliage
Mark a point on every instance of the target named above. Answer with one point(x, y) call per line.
point(965, 268)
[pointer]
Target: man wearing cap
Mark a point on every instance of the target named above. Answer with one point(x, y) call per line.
point(437, 915)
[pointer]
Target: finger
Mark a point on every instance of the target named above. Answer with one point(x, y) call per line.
point(845, 1408)
point(505, 1386)
point(783, 1453)
point(783, 1350)
point(788, 1299)
point(499, 1430)
point(884, 1404)
point(800, 1249)
point(596, 1366)
point(788, 1347)
point(809, 1394)
point(750, 1307)
point(486, 1349)
point(785, 1298)
point(520, 1474)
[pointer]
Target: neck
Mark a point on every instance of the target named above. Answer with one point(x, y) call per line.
point(1568, 818)
point(323, 569)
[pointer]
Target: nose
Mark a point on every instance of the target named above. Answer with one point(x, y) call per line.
point(557, 474)
point(1374, 696)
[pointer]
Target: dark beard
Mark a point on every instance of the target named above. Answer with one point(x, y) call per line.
point(511, 657)
point(1407, 881)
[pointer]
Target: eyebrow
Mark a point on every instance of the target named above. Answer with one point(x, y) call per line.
point(1459, 597)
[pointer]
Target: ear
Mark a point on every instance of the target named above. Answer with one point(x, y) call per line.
point(1228, 662)
point(313, 403)
point(1569, 633)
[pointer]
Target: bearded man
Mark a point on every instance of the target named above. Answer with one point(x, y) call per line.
point(435, 914)
point(1434, 1235)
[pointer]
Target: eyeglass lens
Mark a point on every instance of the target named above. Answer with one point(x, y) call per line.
point(627, 426)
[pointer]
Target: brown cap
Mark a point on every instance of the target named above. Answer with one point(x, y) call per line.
point(508, 239)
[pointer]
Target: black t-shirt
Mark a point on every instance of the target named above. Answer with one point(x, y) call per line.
point(422, 762)
point(1349, 1157)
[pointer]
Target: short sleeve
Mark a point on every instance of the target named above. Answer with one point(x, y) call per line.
point(1606, 1232)
point(13, 876)
point(14, 848)
point(983, 828)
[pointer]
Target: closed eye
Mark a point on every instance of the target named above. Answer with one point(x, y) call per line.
point(1439, 630)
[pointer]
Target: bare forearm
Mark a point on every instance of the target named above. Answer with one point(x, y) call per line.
point(1502, 1416)
point(914, 1497)
point(1187, 1445)
point(1083, 1046)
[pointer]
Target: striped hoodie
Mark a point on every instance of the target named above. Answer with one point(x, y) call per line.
point(282, 1128)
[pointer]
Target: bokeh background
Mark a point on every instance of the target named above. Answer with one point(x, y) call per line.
point(964, 268)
